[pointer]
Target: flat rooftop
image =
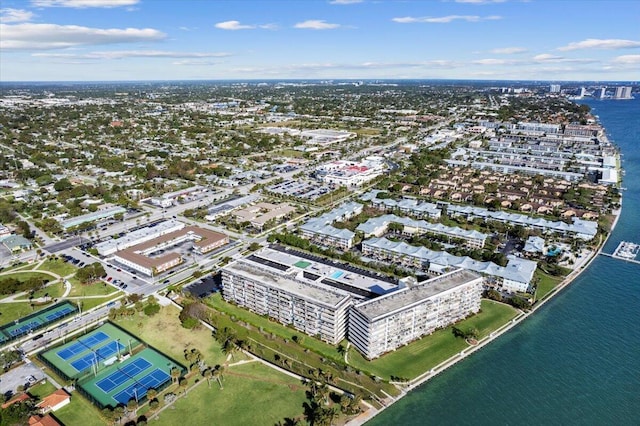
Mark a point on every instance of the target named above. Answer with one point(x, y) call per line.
point(326, 274)
point(302, 289)
point(388, 304)
point(136, 253)
point(138, 235)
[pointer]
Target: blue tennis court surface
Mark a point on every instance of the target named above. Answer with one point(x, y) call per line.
point(123, 374)
point(139, 389)
point(59, 314)
point(102, 353)
point(81, 346)
point(94, 339)
point(24, 328)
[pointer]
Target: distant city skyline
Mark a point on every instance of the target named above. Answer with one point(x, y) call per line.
point(104, 40)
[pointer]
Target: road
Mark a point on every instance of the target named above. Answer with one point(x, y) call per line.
point(64, 330)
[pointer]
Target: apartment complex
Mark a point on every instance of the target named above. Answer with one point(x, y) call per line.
point(321, 231)
point(384, 324)
point(322, 300)
point(515, 277)
point(377, 226)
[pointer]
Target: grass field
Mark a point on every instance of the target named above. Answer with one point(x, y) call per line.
point(79, 412)
point(420, 356)
point(273, 347)
point(23, 276)
point(164, 332)
point(546, 283)
point(40, 390)
point(13, 311)
point(93, 302)
point(290, 153)
point(99, 288)
point(54, 291)
point(57, 266)
point(272, 327)
point(253, 394)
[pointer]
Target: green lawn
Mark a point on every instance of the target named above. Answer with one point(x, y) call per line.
point(93, 302)
point(13, 311)
point(54, 291)
point(23, 276)
point(420, 356)
point(290, 153)
point(164, 332)
point(58, 266)
point(267, 325)
point(253, 394)
point(79, 412)
point(99, 288)
point(546, 284)
point(275, 348)
point(40, 390)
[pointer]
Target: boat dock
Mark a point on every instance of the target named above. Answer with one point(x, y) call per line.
point(625, 251)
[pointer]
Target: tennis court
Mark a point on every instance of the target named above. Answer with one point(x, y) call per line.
point(101, 354)
point(130, 379)
point(91, 351)
point(111, 366)
point(36, 320)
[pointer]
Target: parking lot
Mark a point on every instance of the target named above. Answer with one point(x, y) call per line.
point(205, 286)
point(24, 375)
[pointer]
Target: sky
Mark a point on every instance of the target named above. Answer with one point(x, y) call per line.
point(105, 40)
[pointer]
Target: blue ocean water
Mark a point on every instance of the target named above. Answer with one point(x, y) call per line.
point(577, 360)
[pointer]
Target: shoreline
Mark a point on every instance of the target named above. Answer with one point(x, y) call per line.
point(428, 375)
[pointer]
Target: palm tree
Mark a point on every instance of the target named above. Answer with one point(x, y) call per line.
point(175, 374)
point(132, 405)
point(118, 413)
point(207, 375)
point(183, 383)
point(151, 393)
point(217, 374)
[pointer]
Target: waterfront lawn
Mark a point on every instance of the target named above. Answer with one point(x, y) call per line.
point(252, 394)
point(13, 311)
point(79, 412)
point(422, 355)
point(58, 267)
point(41, 390)
point(164, 332)
point(99, 288)
point(216, 301)
point(546, 283)
point(274, 348)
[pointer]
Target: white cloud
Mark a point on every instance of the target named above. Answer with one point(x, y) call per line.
point(120, 54)
point(444, 19)
point(492, 61)
point(52, 36)
point(345, 1)
point(595, 43)
point(193, 62)
point(15, 15)
point(234, 26)
point(316, 24)
point(83, 4)
point(627, 59)
point(508, 50)
point(547, 58)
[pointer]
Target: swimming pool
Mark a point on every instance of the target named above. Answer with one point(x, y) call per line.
point(336, 275)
